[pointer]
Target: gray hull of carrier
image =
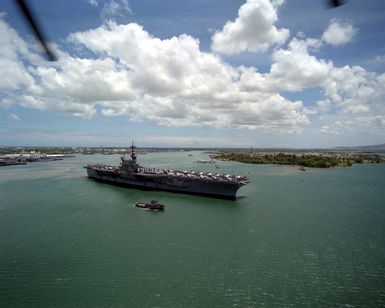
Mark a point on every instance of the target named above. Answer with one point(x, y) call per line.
point(130, 174)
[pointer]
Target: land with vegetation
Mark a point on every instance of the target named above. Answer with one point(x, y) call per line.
point(313, 160)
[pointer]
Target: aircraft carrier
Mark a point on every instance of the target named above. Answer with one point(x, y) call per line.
point(130, 174)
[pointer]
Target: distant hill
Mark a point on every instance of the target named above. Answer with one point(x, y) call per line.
point(368, 148)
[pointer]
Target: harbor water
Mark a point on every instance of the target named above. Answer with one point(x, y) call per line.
point(292, 238)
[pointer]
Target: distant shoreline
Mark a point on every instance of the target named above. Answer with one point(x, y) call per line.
point(311, 160)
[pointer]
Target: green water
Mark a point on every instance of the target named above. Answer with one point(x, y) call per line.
point(314, 238)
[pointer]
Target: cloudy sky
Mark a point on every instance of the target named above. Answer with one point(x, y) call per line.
point(261, 73)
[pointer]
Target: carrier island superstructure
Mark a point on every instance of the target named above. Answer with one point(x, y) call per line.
point(130, 174)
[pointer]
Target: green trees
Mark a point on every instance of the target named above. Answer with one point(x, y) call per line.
point(316, 160)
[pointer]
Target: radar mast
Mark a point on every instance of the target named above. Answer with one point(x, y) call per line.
point(133, 154)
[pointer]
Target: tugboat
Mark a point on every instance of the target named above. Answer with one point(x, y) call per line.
point(152, 205)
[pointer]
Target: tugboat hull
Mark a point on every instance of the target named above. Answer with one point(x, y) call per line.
point(153, 205)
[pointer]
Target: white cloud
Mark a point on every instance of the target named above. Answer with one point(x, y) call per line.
point(338, 33)
point(93, 2)
point(294, 69)
point(169, 82)
point(14, 74)
point(172, 82)
point(253, 29)
point(379, 59)
point(377, 62)
point(85, 80)
point(347, 90)
point(354, 90)
point(195, 141)
point(178, 85)
point(356, 97)
point(364, 125)
point(6, 102)
point(170, 66)
point(323, 105)
point(331, 129)
point(115, 8)
point(14, 117)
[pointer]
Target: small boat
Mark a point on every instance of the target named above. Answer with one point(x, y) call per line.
point(152, 205)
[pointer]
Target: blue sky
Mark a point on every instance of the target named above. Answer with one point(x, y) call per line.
point(261, 73)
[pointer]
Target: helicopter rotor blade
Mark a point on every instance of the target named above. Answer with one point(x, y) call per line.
point(335, 3)
point(36, 29)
